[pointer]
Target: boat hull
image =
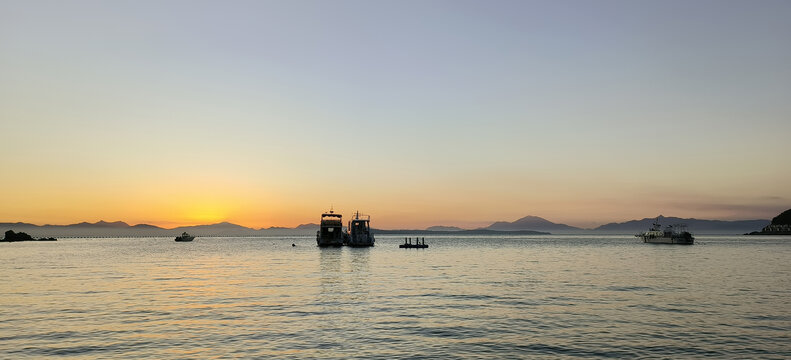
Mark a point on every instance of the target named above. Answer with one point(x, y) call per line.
point(669, 240)
point(331, 238)
point(185, 239)
point(360, 240)
point(329, 243)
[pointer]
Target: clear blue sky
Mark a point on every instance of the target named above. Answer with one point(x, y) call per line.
point(418, 112)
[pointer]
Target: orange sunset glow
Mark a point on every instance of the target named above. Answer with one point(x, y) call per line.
point(198, 121)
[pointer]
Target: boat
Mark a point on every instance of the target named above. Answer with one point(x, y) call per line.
point(184, 237)
point(417, 245)
point(672, 234)
point(331, 230)
point(359, 231)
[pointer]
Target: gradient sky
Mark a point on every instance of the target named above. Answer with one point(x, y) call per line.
point(266, 113)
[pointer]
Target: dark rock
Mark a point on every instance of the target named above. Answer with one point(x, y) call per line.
point(10, 235)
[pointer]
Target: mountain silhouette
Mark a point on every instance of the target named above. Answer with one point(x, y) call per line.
point(444, 228)
point(122, 229)
point(533, 223)
point(98, 224)
point(528, 223)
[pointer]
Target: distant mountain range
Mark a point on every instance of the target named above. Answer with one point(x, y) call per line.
point(524, 226)
point(122, 229)
point(444, 228)
point(696, 226)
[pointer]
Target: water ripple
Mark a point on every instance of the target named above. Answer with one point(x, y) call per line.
point(469, 298)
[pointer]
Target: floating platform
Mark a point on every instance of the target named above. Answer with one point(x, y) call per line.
point(413, 246)
point(417, 245)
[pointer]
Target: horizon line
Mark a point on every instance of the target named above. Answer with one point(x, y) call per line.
point(295, 227)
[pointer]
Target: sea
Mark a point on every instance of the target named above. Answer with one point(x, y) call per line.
point(465, 297)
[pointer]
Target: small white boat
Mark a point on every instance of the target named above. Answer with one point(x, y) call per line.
point(673, 234)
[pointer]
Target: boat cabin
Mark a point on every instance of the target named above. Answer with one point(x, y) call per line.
point(330, 230)
point(360, 225)
point(360, 231)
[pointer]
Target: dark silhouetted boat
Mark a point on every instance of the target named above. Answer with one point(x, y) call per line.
point(360, 231)
point(184, 237)
point(330, 230)
point(672, 234)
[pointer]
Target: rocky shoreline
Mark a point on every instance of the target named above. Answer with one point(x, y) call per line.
point(781, 225)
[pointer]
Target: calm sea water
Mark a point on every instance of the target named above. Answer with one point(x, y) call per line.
point(464, 297)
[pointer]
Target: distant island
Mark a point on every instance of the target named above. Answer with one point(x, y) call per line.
point(11, 236)
point(535, 223)
point(697, 226)
point(780, 225)
point(444, 228)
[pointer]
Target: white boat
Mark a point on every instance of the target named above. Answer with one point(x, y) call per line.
point(672, 234)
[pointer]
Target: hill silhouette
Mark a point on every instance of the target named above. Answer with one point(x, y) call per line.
point(780, 225)
point(534, 223)
point(783, 219)
point(444, 228)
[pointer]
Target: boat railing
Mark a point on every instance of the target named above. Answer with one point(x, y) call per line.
point(358, 216)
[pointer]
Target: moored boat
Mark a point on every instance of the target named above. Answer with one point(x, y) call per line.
point(360, 231)
point(184, 237)
point(672, 234)
point(330, 230)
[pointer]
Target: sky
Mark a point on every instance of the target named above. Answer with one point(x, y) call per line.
point(419, 113)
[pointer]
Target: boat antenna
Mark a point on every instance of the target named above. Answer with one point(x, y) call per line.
point(656, 224)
